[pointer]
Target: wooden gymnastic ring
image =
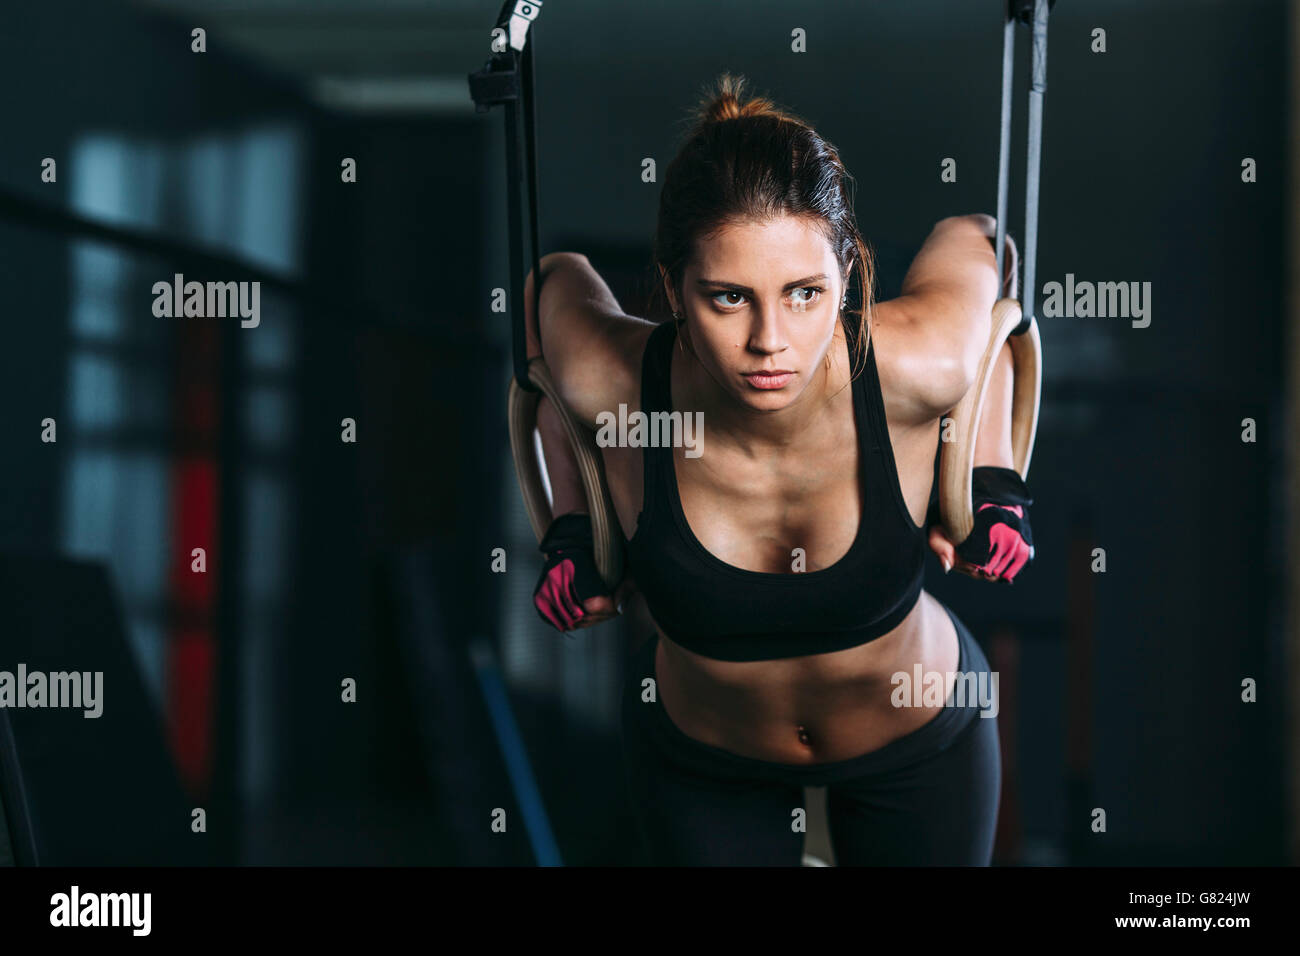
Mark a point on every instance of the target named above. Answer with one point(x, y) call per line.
point(521, 406)
point(957, 458)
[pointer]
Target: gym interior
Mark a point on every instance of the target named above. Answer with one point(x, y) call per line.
point(300, 626)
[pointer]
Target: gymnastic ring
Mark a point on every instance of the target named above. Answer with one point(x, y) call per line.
point(957, 457)
point(521, 406)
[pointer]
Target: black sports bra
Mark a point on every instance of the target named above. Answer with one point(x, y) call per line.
point(732, 614)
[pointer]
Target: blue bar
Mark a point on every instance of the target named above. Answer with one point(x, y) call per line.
point(511, 743)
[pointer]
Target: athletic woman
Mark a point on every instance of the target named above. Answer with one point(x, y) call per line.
point(781, 558)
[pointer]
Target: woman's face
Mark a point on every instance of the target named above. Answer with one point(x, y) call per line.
point(761, 302)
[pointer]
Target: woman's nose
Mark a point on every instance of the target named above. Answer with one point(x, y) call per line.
point(766, 335)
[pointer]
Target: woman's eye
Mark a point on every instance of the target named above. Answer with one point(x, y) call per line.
point(803, 297)
point(810, 296)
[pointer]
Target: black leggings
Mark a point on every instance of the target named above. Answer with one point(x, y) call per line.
point(927, 798)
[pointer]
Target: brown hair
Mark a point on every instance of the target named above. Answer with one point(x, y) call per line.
point(752, 161)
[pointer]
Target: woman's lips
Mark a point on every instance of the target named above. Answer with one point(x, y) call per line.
point(768, 380)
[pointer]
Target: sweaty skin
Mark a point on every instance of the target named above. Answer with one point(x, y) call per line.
point(780, 466)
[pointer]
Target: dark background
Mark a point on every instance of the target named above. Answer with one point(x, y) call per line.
point(372, 561)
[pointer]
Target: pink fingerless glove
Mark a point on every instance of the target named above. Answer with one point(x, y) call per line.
point(1001, 543)
point(569, 575)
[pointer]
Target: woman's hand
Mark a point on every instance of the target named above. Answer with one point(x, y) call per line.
point(1009, 553)
point(946, 551)
point(570, 594)
point(1002, 542)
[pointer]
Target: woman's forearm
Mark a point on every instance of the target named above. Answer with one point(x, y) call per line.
point(567, 493)
point(569, 282)
point(993, 434)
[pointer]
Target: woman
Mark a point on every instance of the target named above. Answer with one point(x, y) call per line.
point(781, 559)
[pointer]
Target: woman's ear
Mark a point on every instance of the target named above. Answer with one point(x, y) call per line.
point(673, 304)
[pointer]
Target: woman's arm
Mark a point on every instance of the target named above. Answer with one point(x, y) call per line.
point(992, 448)
point(562, 473)
point(567, 493)
point(567, 497)
point(561, 465)
point(559, 324)
point(993, 434)
point(993, 431)
point(588, 342)
point(947, 297)
point(579, 336)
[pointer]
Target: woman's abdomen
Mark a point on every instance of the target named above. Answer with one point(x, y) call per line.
point(815, 709)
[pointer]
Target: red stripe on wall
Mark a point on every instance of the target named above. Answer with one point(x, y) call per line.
point(191, 650)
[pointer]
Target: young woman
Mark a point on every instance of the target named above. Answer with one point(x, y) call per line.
point(781, 559)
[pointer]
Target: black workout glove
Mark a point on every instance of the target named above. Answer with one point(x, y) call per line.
point(1001, 543)
point(569, 575)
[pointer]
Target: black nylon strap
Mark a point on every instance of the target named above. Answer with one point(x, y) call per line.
point(530, 141)
point(506, 79)
point(1034, 13)
point(1037, 94)
point(1023, 10)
